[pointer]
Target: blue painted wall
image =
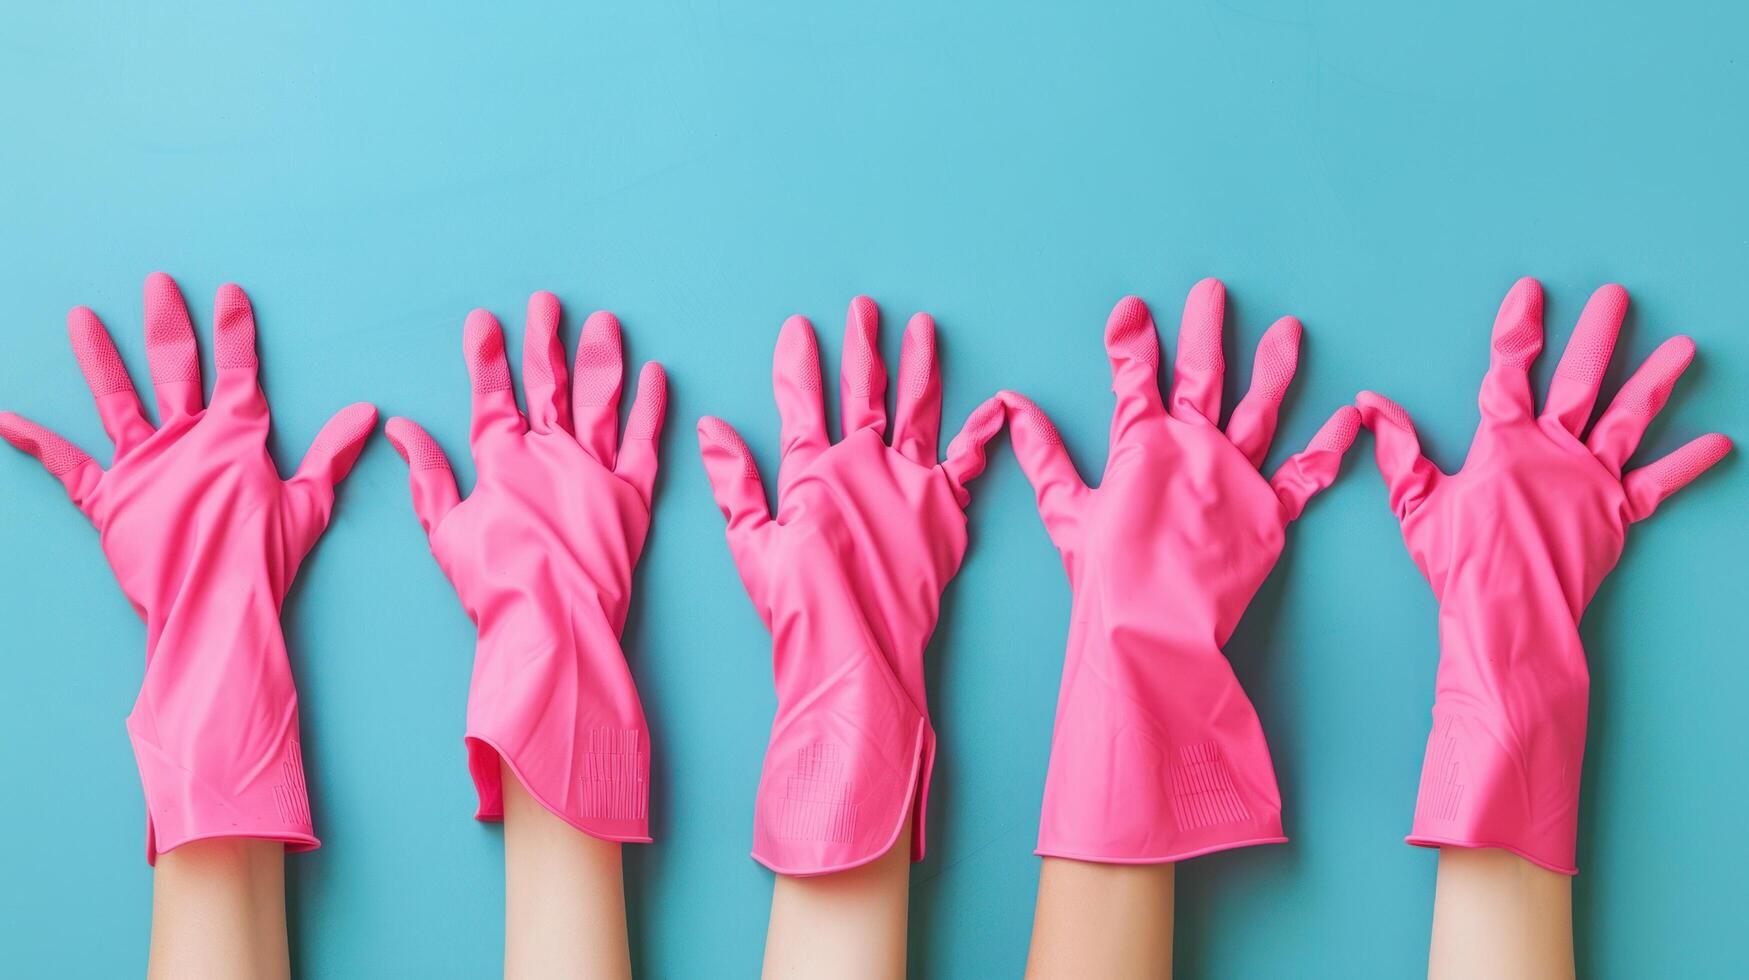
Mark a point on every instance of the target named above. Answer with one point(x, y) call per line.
point(1382, 170)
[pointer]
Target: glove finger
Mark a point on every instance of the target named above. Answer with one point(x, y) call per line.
point(795, 381)
point(1573, 392)
point(495, 413)
point(1617, 434)
point(170, 349)
point(965, 454)
point(637, 453)
point(66, 462)
point(1311, 470)
point(595, 397)
point(862, 378)
point(237, 388)
point(733, 475)
point(917, 421)
point(111, 388)
point(1056, 484)
point(543, 366)
point(1252, 426)
point(1410, 476)
point(1518, 339)
point(325, 464)
point(1650, 485)
point(428, 472)
point(1199, 368)
point(1133, 346)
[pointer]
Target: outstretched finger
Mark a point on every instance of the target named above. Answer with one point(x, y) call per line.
point(637, 452)
point(495, 412)
point(1410, 476)
point(1056, 484)
point(1133, 346)
point(1314, 468)
point(237, 389)
point(965, 454)
point(76, 470)
point(1518, 339)
point(1199, 368)
point(801, 406)
point(1650, 485)
point(1618, 433)
point(543, 367)
point(862, 378)
point(917, 422)
point(170, 349)
point(1252, 426)
point(428, 472)
point(1573, 392)
point(111, 388)
point(325, 464)
point(600, 374)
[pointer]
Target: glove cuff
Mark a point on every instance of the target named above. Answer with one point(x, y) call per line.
point(1483, 788)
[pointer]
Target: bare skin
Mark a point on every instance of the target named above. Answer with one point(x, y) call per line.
point(849, 925)
point(218, 911)
point(564, 896)
point(1497, 915)
point(1102, 920)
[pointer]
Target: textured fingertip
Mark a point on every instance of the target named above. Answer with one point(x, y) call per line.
point(1023, 414)
point(233, 328)
point(717, 436)
point(1130, 334)
point(798, 354)
point(396, 431)
point(651, 403)
point(415, 445)
point(56, 454)
point(1278, 358)
point(981, 426)
point(861, 363)
point(543, 358)
point(917, 357)
point(1648, 389)
point(170, 347)
point(1199, 340)
point(1375, 408)
point(1518, 328)
point(600, 361)
point(483, 346)
point(96, 354)
point(346, 430)
point(1690, 462)
point(1593, 342)
point(1338, 433)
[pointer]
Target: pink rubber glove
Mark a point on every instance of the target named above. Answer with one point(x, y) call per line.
point(541, 554)
point(204, 538)
point(1514, 545)
point(1158, 755)
point(848, 578)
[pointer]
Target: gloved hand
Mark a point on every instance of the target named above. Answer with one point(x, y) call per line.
point(541, 554)
point(1158, 755)
point(1514, 545)
point(204, 538)
point(848, 578)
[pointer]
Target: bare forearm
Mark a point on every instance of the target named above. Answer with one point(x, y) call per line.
point(1102, 920)
point(218, 910)
point(850, 924)
point(1498, 915)
point(564, 896)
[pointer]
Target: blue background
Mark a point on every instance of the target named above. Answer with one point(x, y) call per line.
point(1382, 170)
